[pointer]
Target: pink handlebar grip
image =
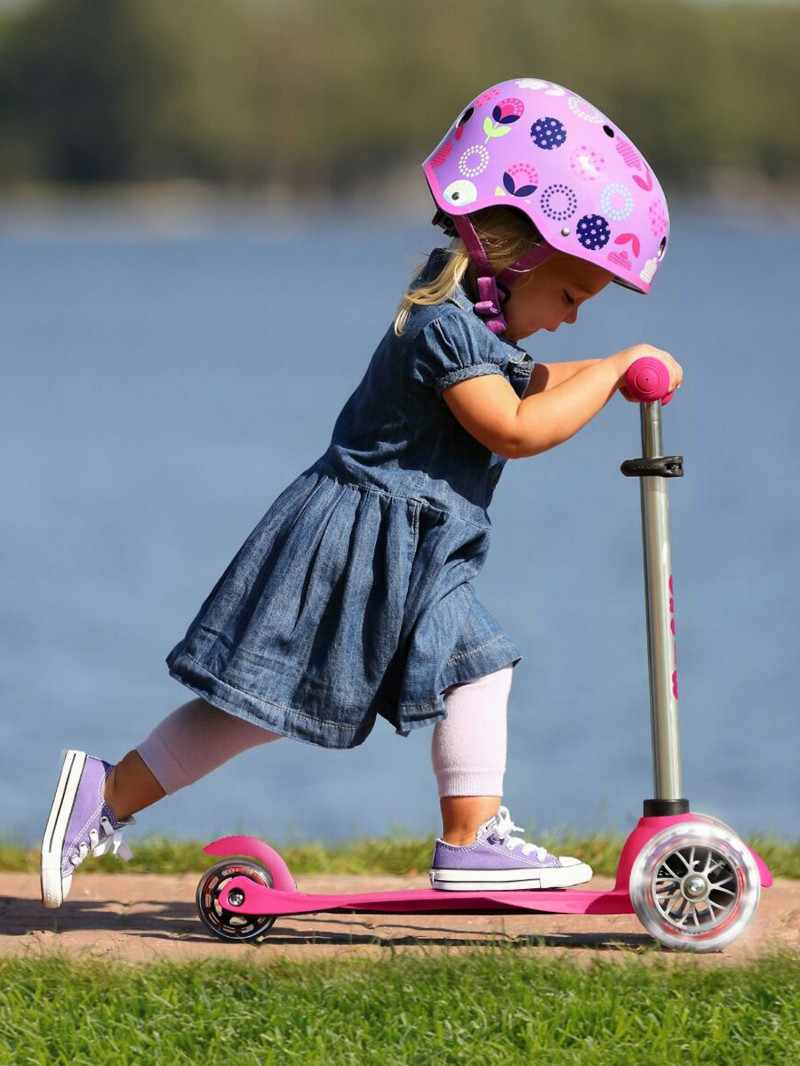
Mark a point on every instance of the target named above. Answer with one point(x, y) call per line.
point(647, 380)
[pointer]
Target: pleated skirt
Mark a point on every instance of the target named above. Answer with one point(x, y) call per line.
point(345, 603)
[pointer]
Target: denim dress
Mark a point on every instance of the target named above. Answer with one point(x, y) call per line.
point(353, 595)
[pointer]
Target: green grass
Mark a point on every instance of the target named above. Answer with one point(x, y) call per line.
point(398, 854)
point(498, 1005)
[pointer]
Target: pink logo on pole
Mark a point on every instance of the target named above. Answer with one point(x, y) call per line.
point(674, 642)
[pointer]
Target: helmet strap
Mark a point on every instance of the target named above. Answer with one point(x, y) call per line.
point(493, 290)
point(489, 305)
point(526, 263)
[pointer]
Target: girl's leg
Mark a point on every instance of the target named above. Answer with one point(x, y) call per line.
point(191, 742)
point(93, 799)
point(468, 752)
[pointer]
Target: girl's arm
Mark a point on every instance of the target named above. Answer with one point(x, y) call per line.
point(548, 375)
point(489, 409)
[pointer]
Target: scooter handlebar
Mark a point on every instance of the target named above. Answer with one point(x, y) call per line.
point(647, 380)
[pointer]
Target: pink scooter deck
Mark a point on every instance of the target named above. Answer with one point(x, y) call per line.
point(283, 898)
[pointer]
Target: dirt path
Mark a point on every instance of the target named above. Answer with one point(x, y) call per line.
point(139, 917)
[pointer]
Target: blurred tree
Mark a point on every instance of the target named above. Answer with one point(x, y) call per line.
point(318, 95)
point(78, 72)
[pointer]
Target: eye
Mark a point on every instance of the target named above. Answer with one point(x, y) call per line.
point(568, 300)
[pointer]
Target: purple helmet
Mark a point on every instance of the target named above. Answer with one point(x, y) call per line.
point(541, 148)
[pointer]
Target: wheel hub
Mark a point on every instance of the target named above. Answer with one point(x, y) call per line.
point(695, 886)
point(227, 921)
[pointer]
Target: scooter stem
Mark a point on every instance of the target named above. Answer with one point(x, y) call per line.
point(660, 611)
point(648, 380)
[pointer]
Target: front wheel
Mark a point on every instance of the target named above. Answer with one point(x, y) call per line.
point(695, 886)
point(225, 922)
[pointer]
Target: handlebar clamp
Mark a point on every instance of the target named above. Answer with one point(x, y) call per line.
point(662, 466)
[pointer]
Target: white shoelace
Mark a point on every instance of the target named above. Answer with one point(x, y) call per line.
point(112, 842)
point(503, 829)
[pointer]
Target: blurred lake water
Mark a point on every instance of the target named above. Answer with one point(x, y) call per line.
point(164, 381)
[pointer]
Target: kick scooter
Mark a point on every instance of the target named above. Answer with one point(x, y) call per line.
point(691, 881)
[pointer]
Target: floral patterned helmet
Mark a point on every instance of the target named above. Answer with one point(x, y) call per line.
point(541, 148)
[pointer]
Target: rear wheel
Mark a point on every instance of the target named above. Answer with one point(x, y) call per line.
point(695, 886)
point(228, 923)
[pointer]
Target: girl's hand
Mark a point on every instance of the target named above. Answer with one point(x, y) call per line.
point(622, 360)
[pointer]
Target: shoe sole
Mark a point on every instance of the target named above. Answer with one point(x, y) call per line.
point(56, 829)
point(510, 880)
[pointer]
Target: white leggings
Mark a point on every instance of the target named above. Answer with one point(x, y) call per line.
point(468, 749)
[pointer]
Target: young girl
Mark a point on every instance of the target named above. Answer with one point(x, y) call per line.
point(353, 596)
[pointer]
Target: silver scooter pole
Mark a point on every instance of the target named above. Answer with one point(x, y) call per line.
point(653, 470)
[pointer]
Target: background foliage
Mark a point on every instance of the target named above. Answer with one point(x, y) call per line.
point(315, 95)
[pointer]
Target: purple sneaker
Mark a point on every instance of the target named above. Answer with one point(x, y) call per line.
point(498, 862)
point(80, 821)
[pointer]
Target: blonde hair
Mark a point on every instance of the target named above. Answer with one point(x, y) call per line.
point(506, 234)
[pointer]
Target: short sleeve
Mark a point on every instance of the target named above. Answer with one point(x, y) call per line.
point(450, 349)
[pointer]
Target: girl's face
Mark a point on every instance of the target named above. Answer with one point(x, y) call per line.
point(552, 294)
